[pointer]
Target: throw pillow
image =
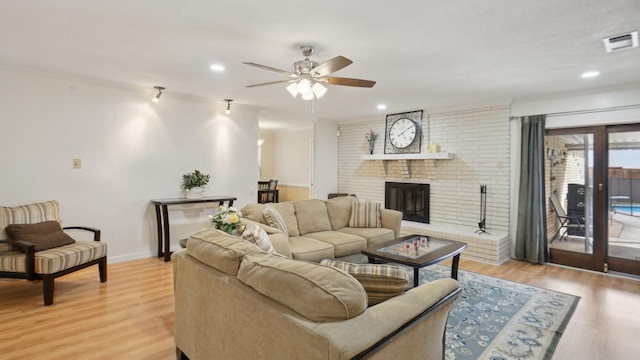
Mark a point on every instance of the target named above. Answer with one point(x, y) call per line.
point(311, 216)
point(339, 211)
point(365, 214)
point(272, 217)
point(44, 235)
point(288, 212)
point(380, 281)
point(255, 234)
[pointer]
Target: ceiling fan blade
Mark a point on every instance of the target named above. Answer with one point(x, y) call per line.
point(349, 82)
point(330, 66)
point(269, 68)
point(272, 83)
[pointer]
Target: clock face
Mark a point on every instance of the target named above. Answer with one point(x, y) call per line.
point(402, 133)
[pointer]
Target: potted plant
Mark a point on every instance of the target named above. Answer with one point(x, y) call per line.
point(371, 138)
point(193, 183)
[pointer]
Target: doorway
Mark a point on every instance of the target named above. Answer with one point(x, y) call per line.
point(593, 197)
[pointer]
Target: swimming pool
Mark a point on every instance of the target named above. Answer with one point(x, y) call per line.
point(627, 208)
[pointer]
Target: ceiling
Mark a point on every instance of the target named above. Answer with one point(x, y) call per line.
point(423, 54)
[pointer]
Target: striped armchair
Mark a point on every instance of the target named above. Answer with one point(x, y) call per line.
point(23, 259)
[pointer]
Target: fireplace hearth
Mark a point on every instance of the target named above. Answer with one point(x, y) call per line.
point(410, 198)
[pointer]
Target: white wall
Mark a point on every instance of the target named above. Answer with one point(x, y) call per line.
point(132, 151)
point(292, 157)
point(325, 159)
point(267, 168)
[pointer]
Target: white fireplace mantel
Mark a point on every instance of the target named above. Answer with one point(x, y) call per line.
point(425, 156)
point(403, 160)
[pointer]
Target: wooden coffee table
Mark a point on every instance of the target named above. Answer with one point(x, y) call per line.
point(429, 251)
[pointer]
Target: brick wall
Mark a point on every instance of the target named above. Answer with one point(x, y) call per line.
point(479, 139)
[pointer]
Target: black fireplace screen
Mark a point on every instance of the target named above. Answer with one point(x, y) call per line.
point(409, 198)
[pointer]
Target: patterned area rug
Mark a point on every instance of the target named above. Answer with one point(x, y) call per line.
point(499, 319)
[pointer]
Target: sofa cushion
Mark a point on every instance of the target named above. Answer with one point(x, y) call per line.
point(365, 214)
point(44, 235)
point(308, 249)
point(343, 243)
point(255, 234)
point(220, 250)
point(374, 236)
point(287, 210)
point(319, 293)
point(380, 281)
point(27, 214)
point(51, 261)
point(311, 216)
point(339, 211)
point(273, 218)
point(253, 212)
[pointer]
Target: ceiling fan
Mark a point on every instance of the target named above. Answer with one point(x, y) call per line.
point(307, 75)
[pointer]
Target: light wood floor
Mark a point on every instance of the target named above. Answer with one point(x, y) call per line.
point(131, 315)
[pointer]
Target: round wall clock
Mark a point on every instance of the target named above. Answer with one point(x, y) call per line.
point(403, 135)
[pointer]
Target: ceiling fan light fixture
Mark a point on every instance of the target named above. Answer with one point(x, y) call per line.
point(293, 89)
point(318, 90)
point(308, 96)
point(304, 87)
point(307, 76)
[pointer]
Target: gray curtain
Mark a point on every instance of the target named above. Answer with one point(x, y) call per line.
point(531, 234)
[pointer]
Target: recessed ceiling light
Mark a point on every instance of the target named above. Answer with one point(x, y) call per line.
point(216, 67)
point(382, 106)
point(590, 74)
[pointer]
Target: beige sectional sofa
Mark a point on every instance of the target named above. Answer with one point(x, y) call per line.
point(235, 301)
point(319, 229)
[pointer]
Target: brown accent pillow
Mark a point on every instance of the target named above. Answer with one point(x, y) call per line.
point(44, 235)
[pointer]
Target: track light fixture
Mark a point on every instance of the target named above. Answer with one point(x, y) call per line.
point(157, 97)
point(228, 111)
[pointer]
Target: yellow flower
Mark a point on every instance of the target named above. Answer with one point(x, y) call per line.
point(234, 218)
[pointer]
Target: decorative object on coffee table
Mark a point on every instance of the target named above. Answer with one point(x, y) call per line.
point(193, 184)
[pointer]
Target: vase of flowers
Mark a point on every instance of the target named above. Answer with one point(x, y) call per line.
point(193, 183)
point(228, 219)
point(371, 138)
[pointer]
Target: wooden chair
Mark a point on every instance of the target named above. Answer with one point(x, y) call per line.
point(566, 221)
point(263, 189)
point(268, 191)
point(21, 260)
point(272, 196)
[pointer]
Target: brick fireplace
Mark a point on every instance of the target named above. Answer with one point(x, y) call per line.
point(411, 199)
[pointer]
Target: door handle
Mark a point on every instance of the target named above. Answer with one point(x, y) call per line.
point(600, 186)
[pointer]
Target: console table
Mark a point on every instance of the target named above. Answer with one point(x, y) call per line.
point(162, 217)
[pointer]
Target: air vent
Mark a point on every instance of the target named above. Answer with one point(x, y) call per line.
point(621, 42)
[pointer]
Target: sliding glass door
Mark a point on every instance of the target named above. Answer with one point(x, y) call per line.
point(593, 197)
point(623, 243)
point(572, 215)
